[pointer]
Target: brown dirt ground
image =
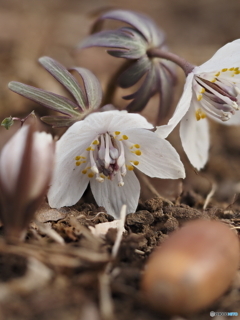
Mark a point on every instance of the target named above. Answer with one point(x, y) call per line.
point(69, 282)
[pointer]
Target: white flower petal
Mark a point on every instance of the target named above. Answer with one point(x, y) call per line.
point(112, 197)
point(11, 159)
point(78, 137)
point(226, 57)
point(158, 159)
point(181, 109)
point(195, 139)
point(68, 184)
point(116, 120)
point(42, 162)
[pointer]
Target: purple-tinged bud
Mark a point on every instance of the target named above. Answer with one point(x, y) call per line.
point(26, 164)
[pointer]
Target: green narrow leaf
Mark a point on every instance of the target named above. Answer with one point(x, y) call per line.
point(45, 98)
point(59, 121)
point(92, 87)
point(65, 78)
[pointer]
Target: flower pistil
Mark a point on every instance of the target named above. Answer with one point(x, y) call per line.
point(107, 158)
point(217, 93)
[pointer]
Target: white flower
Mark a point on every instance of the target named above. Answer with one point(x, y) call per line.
point(104, 149)
point(211, 90)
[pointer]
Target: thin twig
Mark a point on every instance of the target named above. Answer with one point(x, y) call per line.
point(209, 196)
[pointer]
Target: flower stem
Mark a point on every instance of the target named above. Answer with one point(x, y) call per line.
point(184, 64)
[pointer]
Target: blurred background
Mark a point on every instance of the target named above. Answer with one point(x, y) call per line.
point(30, 29)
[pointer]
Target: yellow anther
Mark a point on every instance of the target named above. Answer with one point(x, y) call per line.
point(102, 176)
point(203, 90)
point(130, 168)
point(125, 137)
point(199, 97)
point(78, 158)
point(231, 69)
point(96, 142)
point(90, 175)
point(138, 152)
point(83, 157)
point(84, 161)
point(199, 114)
point(78, 163)
point(136, 163)
point(90, 149)
point(237, 72)
point(84, 171)
point(236, 69)
point(137, 146)
point(225, 69)
point(217, 74)
point(117, 133)
point(214, 80)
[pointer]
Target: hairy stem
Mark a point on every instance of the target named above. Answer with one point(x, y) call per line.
point(182, 63)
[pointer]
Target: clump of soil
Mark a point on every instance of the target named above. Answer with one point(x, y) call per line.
point(76, 287)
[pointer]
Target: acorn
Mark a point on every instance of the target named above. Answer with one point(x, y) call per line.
point(192, 268)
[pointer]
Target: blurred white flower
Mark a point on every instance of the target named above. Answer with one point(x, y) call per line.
point(104, 149)
point(211, 90)
point(26, 164)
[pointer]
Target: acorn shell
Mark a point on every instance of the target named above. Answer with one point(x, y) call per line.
point(192, 268)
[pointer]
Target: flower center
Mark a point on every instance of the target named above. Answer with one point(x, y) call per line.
point(107, 157)
point(218, 93)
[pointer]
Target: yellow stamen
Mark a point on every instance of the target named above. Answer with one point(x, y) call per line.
point(202, 90)
point(89, 149)
point(199, 97)
point(78, 158)
point(125, 137)
point(130, 168)
point(199, 114)
point(84, 171)
point(117, 133)
point(136, 163)
point(90, 175)
point(214, 80)
point(138, 152)
point(78, 163)
point(231, 69)
point(225, 69)
point(95, 142)
point(217, 74)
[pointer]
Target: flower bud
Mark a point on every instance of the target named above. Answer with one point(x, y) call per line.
point(26, 164)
